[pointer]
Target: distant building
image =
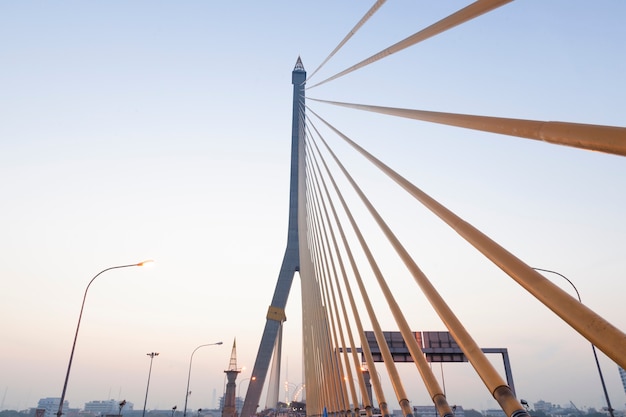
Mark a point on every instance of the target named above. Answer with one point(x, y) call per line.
point(431, 411)
point(544, 406)
point(238, 403)
point(107, 407)
point(51, 406)
point(622, 375)
point(495, 412)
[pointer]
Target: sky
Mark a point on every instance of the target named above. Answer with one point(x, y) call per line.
point(161, 130)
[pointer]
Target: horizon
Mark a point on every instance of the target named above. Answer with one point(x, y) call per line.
point(161, 131)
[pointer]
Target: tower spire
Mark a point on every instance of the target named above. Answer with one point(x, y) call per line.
point(232, 366)
point(230, 401)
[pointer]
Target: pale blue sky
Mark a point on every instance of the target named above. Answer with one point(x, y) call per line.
point(138, 130)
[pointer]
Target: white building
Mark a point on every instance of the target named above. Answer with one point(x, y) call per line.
point(107, 407)
point(51, 405)
point(494, 412)
point(544, 406)
point(431, 411)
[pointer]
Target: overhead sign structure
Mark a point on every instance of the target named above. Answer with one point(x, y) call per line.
point(437, 347)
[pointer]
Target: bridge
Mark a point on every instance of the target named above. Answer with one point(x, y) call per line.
point(339, 242)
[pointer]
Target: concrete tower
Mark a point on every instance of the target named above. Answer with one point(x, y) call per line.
point(291, 261)
point(230, 404)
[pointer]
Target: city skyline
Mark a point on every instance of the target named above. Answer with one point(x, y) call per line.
point(134, 131)
point(99, 407)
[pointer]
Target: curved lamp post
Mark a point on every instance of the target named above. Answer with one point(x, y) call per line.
point(298, 391)
point(189, 375)
point(69, 365)
point(252, 378)
point(593, 348)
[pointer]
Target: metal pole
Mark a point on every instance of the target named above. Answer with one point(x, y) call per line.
point(80, 315)
point(189, 374)
point(239, 391)
point(593, 348)
point(152, 355)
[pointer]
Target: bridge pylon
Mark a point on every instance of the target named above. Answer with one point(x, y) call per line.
point(291, 260)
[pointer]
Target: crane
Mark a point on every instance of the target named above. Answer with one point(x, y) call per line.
point(575, 408)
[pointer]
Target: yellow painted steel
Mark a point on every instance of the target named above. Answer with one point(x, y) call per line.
point(434, 389)
point(322, 336)
point(608, 139)
point(310, 351)
point(366, 401)
point(376, 383)
point(325, 376)
point(492, 380)
point(335, 331)
point(331, 300)
point(396, 382)
point(589, 324)
point(276, 313)
point(316, 358)
point(313, 351)
point(356, 27)
point(467, 13)
point(336, 363)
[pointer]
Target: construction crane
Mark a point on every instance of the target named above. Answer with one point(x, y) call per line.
point(575, 408)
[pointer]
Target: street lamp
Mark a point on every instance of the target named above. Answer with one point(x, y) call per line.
point(80, 315)
point(298, 391)
point(593, 348)
point(287, 385)
point(152, 355)
point(189, 375)
point(253, 378)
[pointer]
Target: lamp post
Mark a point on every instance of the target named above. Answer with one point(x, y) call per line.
point(287, 385)
point(593, 348)
point(241, 383)
point(152, 355)
point(298, 391)
point(189, 375)
point(80, 315)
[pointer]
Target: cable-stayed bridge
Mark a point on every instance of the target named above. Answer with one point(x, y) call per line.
point(345, 284)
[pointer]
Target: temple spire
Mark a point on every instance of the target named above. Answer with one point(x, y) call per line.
point(230, 400)
point(232, 366)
